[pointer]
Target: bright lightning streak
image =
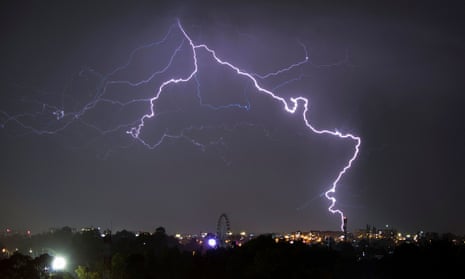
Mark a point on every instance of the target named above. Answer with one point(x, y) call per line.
point(66, 118)
point(290, 106)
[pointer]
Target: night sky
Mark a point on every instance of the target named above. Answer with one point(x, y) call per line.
point(390, 73)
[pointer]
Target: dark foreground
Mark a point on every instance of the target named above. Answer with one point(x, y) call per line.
point(160, 256)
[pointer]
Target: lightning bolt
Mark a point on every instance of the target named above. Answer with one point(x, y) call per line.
point(59, 119)
point(289, 106)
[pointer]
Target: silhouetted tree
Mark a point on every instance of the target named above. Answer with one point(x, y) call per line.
point(18, 266)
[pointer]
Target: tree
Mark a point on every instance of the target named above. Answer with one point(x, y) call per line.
point(160, 230)
point(83, 272)
point(18, 266)
point(42, 263)
point(118, 266)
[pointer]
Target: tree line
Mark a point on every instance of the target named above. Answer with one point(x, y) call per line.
point(159, 255)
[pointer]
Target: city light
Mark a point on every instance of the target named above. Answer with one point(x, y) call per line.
point(212, 242)
point(59, 263)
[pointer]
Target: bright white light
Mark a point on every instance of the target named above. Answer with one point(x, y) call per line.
point(212, 242)
point(59, 263)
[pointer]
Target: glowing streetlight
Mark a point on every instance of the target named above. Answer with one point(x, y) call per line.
point(59, 263)
point(212, 242)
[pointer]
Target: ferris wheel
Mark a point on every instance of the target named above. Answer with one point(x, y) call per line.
point(223, 230)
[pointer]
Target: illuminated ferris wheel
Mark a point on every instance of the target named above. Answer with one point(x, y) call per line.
point(223, 230)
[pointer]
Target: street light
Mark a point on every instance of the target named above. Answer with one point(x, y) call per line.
point(58, 263)
point(212, 242)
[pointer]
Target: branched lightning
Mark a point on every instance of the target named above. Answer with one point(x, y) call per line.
point(290, 67)
point(290, 106)
point(134, 128)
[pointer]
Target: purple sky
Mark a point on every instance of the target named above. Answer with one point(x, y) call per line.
point(390, 73)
